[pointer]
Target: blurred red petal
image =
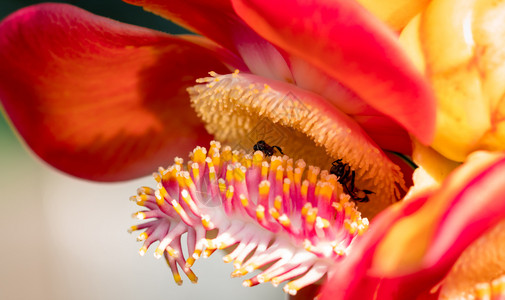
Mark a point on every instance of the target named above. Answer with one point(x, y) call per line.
point(351, 45)
point(218, 21)
point(469, 203)
point(96, 98)
point(214, 19)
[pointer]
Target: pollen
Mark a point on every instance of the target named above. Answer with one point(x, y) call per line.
point(236, 105)
point(280, 231)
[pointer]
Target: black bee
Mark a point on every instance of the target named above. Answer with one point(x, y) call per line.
point(346, 176)
point(266, 148)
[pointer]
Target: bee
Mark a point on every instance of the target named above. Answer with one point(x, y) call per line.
point(346, 178)
point(266, 148)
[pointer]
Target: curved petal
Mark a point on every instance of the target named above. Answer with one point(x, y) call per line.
point(395, 13)
point(386, 132)
point(460, 46)
point(349, 44)
point(218, 21)
point(448, 221)
point(96, 98)
point(213, 19)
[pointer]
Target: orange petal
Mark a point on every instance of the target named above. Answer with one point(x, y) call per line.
point(96, 98)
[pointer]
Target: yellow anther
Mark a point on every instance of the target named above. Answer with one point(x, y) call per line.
point(298, 176)
point(322, 222)
point(197, 254)
point(306, 208)
point(222, 185)
point(189, 262)
point(275, 163)
point(291, 288)
point(132, 228)
point(274, 213)
point(239, 272)
point(196, 171)
point(278, 203)
point(264, 169)
point(177, 207)
point(260, 213)
point(226, 155)
point(143, 250)
point(307, 245)
point(235, 156)
point(483, 291)
point(338, 207)
point(305, 188)
point(263, 278)
point(286, 185)
point(208, 252)
point(227, 259)
point(142, 237)
point(247, 283)
point(139, 215)
point(229, 193)
point(145, 190)
point(211, 245)
point(192, 277)
point(244, 200)
point(180, 179)
point(326, 191)
point(264, 188)
point(257, 158)
point(312, 174)
point(311, 216)
point(498, 286)
point(161, 195)
point(284, 220)
point(199, 155)
point(177, 278)
point(157, 177)
point(239, 174)
point(207, 223)
point(279, 174)
point(212, 174)
point(229, 173)
point(158, 252)
point(172, 252)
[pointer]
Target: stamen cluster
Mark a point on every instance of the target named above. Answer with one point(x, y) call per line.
point(293, 219)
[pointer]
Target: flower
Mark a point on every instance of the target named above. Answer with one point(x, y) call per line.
point(108, 101)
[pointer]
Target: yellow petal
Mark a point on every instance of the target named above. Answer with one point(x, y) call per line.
point(482, 262)
point(395, 13)
point(460, 45)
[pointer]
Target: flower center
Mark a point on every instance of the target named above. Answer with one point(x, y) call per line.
point(292, 219)
point(243, 109)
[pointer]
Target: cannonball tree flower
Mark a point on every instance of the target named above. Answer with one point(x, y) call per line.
point(109, 101)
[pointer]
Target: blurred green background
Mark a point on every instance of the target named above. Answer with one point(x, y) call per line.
point(64, 238)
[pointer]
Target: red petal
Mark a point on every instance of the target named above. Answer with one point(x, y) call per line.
point(347, 42)
point(469, 203)
point(96, 98)
point(218, 21)
point(214, 19)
